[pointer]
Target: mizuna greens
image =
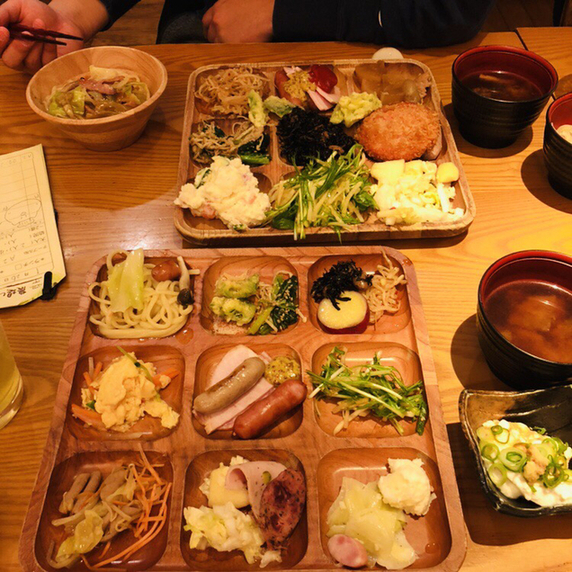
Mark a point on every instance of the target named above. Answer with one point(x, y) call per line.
point(334, 193)
point(373, 389)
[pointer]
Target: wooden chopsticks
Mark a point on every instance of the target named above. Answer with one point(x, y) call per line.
point(21, 32)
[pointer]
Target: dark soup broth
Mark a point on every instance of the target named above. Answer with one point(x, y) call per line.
point(535, 317)
point(507, 86)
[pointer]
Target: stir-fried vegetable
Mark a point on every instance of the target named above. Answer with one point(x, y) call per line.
point(373, 389)
point(333, 193)
point(99, 93)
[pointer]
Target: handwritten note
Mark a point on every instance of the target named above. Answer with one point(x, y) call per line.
point(29, 242)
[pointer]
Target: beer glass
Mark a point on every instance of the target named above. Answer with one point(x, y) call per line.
point(11, 387)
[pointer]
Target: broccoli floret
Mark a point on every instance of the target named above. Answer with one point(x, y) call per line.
point(237, 288)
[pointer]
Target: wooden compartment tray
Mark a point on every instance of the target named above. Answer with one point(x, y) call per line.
point(214, 233)
point(302, 440)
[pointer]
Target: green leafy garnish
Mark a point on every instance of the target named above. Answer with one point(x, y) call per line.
point(372, 388)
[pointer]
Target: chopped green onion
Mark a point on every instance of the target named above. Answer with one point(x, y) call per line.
point(500, 434)
point(553, 475)
point(497, 474)
point(489, 450)
point(540, 430)
point(90, 405)
point(513, 459)
point(484, 433)
point(137, 363)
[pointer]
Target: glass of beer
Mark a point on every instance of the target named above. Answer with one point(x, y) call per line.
point(11, 387)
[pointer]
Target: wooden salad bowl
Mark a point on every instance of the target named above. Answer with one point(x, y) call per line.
point(105, 133)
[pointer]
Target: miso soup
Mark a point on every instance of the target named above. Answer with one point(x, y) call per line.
point(505, 86)
point(535, 317)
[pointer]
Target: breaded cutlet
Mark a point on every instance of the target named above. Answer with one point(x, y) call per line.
point(400, 131)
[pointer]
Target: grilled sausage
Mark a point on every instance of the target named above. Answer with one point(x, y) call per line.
point(281, 507)
point(168, 270)
point(347, 551)
point(266, 411)
point(229, 389)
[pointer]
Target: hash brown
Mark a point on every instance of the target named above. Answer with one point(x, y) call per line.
point(400, 131)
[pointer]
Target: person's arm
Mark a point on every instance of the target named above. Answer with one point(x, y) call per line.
point(403, 23)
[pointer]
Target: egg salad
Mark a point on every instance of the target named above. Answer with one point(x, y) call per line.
point(125, 391)
point(412, 192)
point(227, 190)
point(525, 462)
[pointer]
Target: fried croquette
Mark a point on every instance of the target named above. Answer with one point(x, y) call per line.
point(400, 131)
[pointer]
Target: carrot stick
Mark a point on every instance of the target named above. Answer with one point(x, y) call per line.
point(88, 416)
point(171, 373)
point(97, 371)
point(148, 466)
point(87, 379)
point(155, 530)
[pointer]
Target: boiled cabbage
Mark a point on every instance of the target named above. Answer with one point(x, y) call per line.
point(360, 512)
point(226, 528)
point(125, 283)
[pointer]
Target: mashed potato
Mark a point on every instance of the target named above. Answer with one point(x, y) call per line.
point(407, 486)
point(227, 190)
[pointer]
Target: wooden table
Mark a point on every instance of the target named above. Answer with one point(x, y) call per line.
point(125, 199)
point(552, 44)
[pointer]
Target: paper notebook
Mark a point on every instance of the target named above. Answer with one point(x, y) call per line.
point(31, 259)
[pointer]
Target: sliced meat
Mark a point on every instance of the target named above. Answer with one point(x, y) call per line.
point(254, 477)
point(281, 507)
point(98, 86)
point(347, 551)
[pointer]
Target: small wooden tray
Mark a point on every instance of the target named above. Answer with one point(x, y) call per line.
point(206, 232)
point(303, 440)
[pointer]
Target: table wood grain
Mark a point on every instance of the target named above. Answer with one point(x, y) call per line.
point(125, 199)
point(552, 44)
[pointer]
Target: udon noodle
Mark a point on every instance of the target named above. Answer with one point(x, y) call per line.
point(226, 91)
point(162, 315)
point(382, 295)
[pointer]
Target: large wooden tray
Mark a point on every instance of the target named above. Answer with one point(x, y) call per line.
point(304, 439)
point(214, 233)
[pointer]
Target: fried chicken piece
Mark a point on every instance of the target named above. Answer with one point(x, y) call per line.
point(400, 131)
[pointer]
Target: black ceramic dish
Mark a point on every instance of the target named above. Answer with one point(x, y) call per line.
point(549, 408)
point(514, 366)
point(494, 123)
point(558, 151)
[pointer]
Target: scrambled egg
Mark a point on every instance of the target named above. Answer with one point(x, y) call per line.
point(227, 190)
point(123, 394)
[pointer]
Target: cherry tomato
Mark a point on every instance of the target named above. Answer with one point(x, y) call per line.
point(323, 77)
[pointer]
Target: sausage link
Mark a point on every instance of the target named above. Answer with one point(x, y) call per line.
point(229, 389)
point(168, 270)
point(266, 411)
point(347, 551)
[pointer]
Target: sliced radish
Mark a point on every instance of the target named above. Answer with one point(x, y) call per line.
point(351, 318)
point(320, 103)
point(333, 97)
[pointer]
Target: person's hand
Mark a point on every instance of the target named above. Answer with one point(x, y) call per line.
point(239, 21)
point(27, 55)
